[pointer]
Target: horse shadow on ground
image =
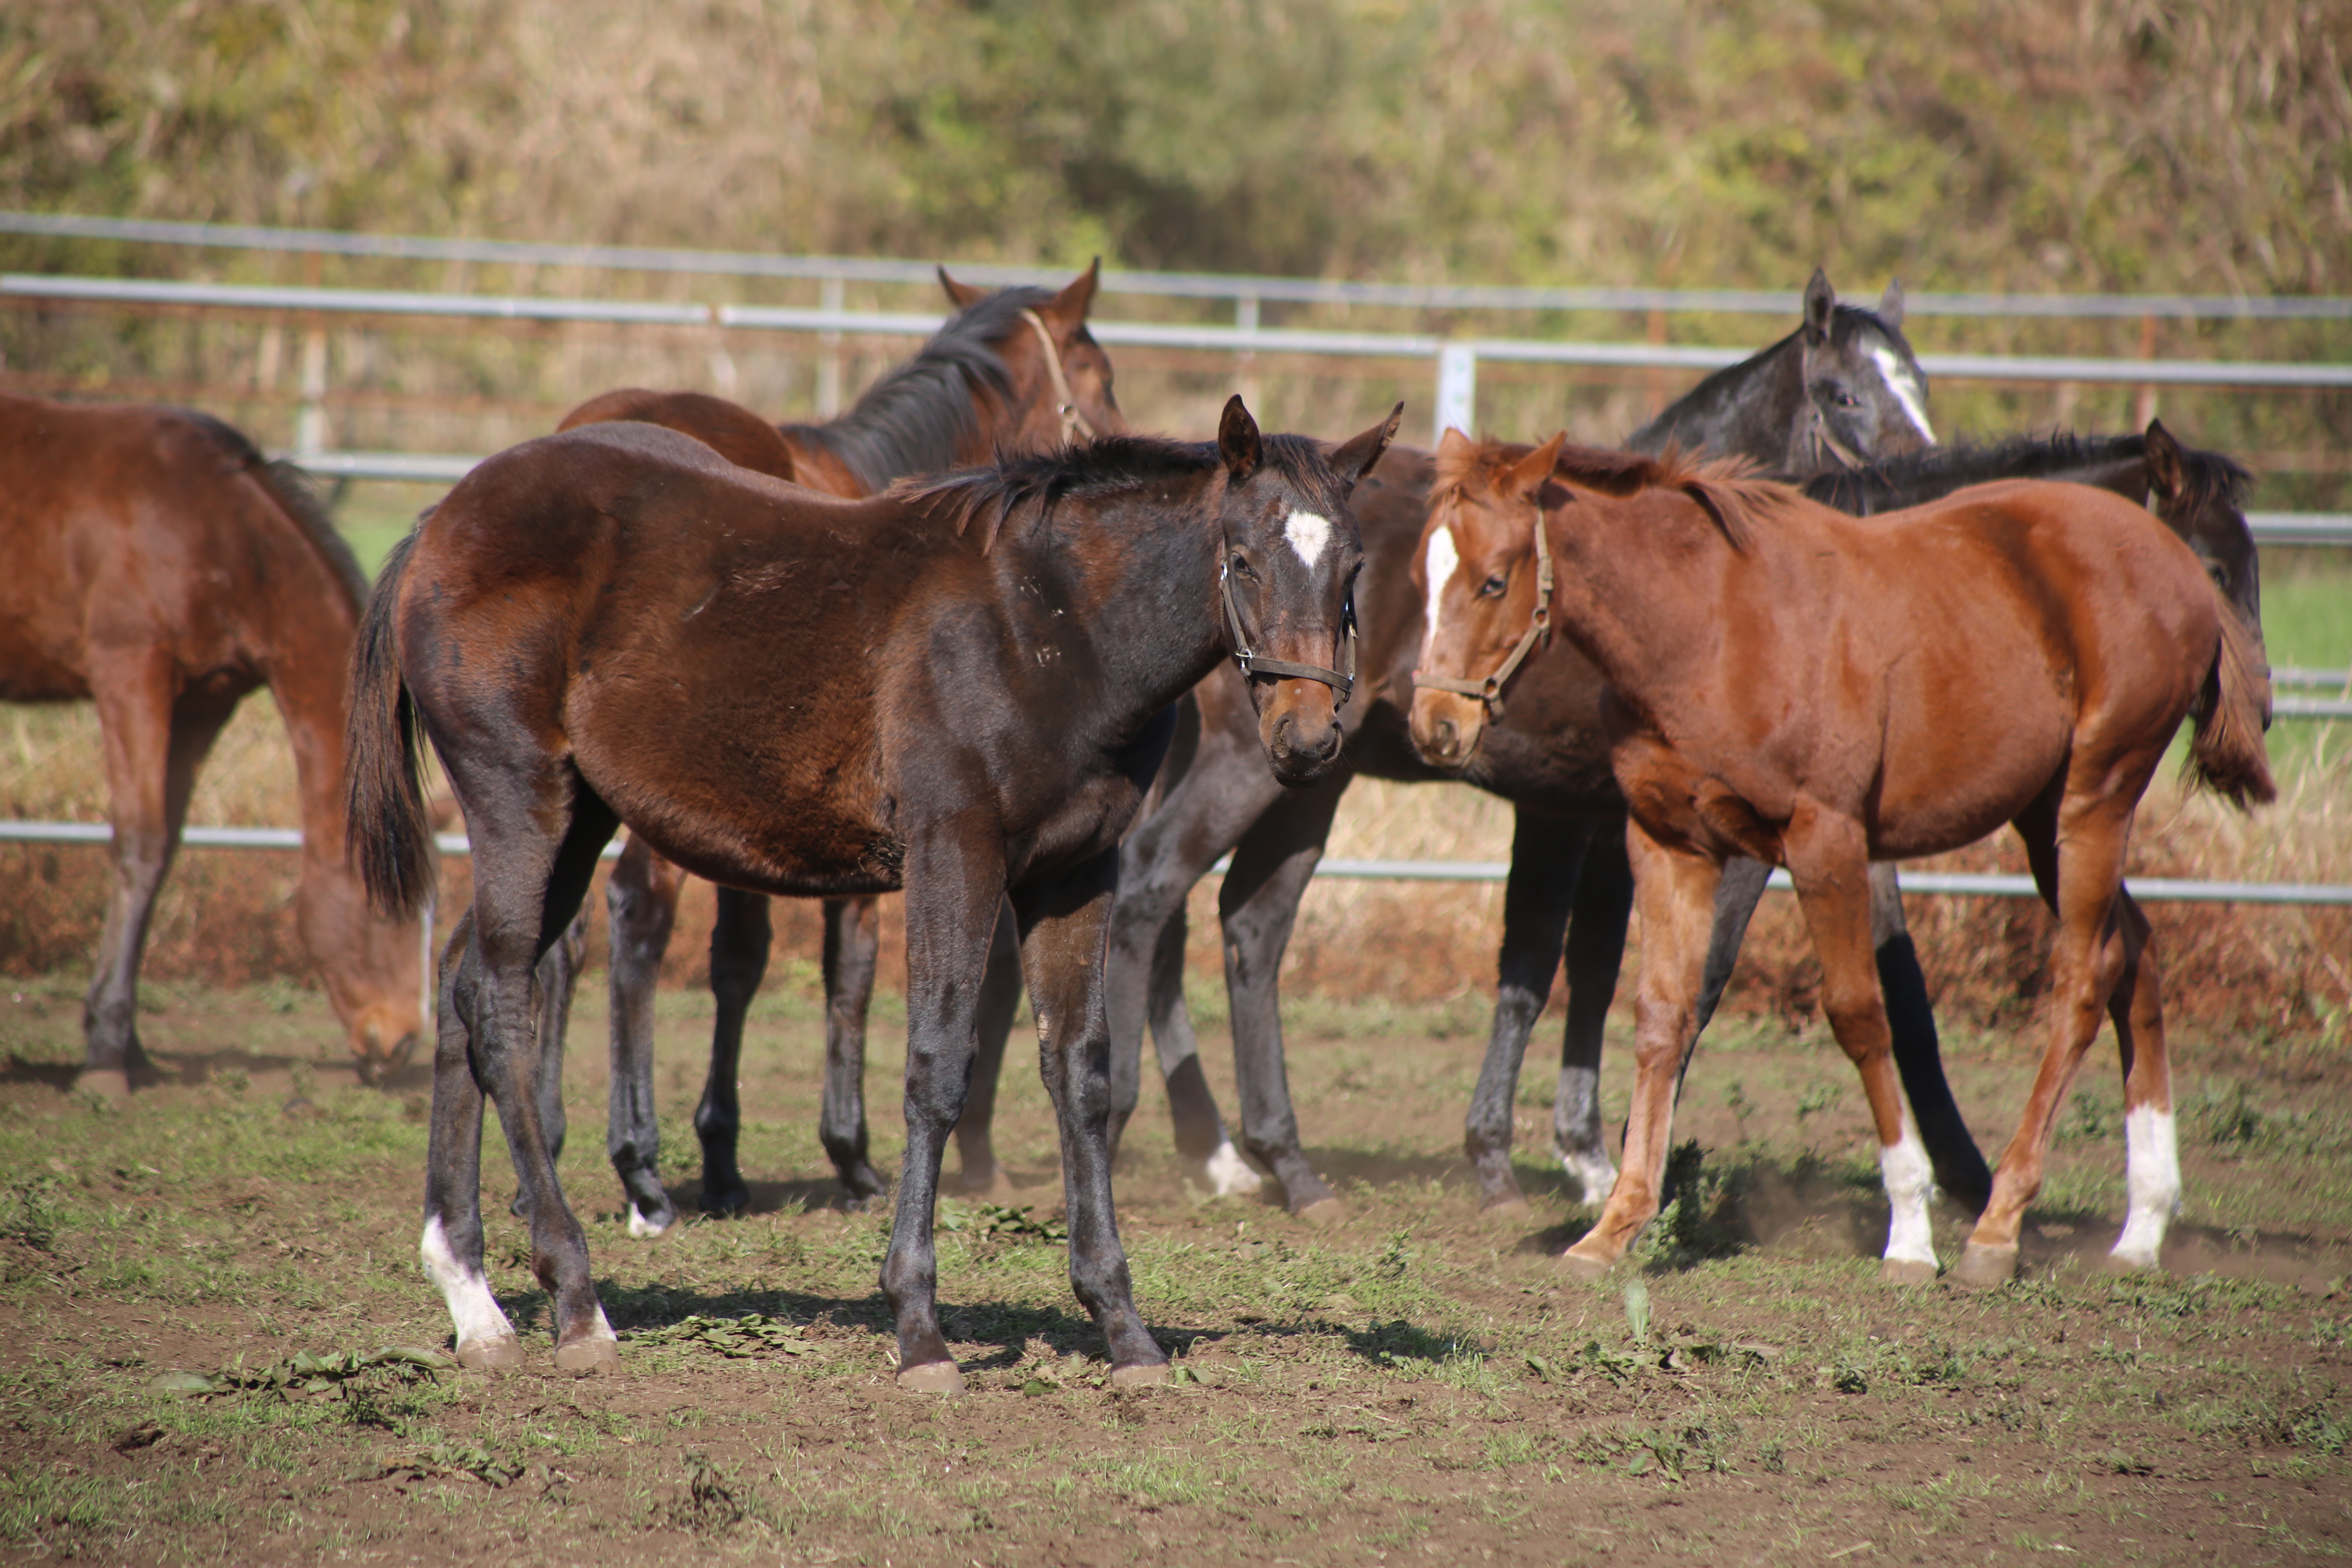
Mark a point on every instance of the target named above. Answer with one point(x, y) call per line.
point(193, 1069)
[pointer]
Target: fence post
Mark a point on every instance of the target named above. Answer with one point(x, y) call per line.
point(828, 365)
point(1457, 391)
point(310, 418)
point(1246, 365)
point(2144, 404)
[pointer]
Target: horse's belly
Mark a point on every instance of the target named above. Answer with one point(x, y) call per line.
point(1953, 777)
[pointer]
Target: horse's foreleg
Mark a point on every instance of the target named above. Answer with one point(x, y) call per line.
point(1061, 951)
point(739, 938)
point(452, 1245)
point(641, 902)
point(1199, 1128)
point(2077, 852)
point(1960, 1165)
point(1675, 892)
point(1596, 950)
point(1735, 898)
point(1257, 906)
point(852, 934)
point(954, 892)
point(1829, 861)
point(999, 998)
point(1546, 852)
point(152, 750)
point(2151, 1149)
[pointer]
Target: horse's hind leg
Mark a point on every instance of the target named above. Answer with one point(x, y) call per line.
point(2152, 1154)
point(558, 978)
point(999, 998)
point(452, 1245)
point(1546, 853)
point(852, 934)
point(739, 939)
point(2077, 852)
point(641, 903)
point(154, 746)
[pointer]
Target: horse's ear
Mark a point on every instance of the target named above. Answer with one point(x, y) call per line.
point(962, 296)
point(1454, 446)
point(2168, 469)
point(1528, 474)
point(1821, 304)
point(1357, 455)
point(1890, 304)
point(1237, 440)
point(1071, 305)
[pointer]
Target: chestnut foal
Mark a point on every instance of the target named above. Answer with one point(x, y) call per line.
point(1821, 691)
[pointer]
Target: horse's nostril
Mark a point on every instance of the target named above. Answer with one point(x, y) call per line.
point(1448, 737)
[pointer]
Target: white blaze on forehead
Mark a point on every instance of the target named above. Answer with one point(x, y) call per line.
point(1905, 386)
point(1309, 533)
point(1442, 559)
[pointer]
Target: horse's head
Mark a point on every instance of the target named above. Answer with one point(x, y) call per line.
point(1061, 378)
point(2197, 495)
point(374, 968)
point(1287, 580)
point(1864, 396)
point(1483, 570)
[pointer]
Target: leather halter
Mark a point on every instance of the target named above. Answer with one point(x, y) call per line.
point(1817, 428)
point(1076, 426)
point(1342, 682)
point(1490, 690)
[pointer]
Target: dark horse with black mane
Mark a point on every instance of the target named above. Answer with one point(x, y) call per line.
point(961, 689)
point(1844, 383)
point(1014, 370)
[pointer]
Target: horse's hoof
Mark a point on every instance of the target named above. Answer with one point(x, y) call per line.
point(596, 1354)
point(1582, 1265)
point(995, 1185)
point(2126, 1263)
point(650, 1228)
point(503, 1354)
point(1229, 1174)
point(1140, 1375)
point(110, 1085)
point(1905, 1271)
point(1983, 1267)
point(1512, 1207)
point(727, 1201)
point(1324, 1212)
point(931, 1377)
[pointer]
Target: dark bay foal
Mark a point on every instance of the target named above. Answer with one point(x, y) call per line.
point(960, 688)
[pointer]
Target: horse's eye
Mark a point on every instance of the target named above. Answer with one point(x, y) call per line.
point(1241, 568)
point(1845, 399)
point(1492, 588)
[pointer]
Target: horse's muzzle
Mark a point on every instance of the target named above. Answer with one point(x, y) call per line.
point(1446, 727)
point(1299, 727)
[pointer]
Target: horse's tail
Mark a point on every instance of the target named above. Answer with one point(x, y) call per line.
point(387, 834)
point(2226, 753)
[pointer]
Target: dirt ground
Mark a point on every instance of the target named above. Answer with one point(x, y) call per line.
point(1414, 1384)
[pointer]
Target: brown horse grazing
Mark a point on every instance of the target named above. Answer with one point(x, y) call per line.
point(1821, 691)
point(961, 689)
point(1014, 370)
point(150, 562)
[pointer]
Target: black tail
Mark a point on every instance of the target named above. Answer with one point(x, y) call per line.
point(387, 835)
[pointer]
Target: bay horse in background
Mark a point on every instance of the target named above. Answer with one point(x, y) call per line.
point(1827, 376)
point(962, 688)
point(151, 562)
point(1013, 370)
point(1796, 686)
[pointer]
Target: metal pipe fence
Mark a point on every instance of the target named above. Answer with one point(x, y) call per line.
point(1958, 884)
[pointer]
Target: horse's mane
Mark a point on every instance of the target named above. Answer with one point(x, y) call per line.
point(1023, 492)
point(291, 488)
point(1921, 476)
point(913, 419)
point(1729, 488)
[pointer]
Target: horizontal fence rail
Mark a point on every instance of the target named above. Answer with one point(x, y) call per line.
point(1171, 285)
point(1961, 884)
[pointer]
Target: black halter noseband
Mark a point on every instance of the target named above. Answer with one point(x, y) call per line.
point(1342, 682)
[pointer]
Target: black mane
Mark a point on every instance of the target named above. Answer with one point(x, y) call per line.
point(913, 419)
point(1026, 488)
point(1926, 475)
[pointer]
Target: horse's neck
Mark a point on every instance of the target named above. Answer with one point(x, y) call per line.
point(1155, 630)
point(306, 666)
point(1642, 619)
point(1750, 409)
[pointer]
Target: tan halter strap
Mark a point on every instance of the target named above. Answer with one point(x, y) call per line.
point(1075, 424)
point(1490, 690)
point(1342, 682)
